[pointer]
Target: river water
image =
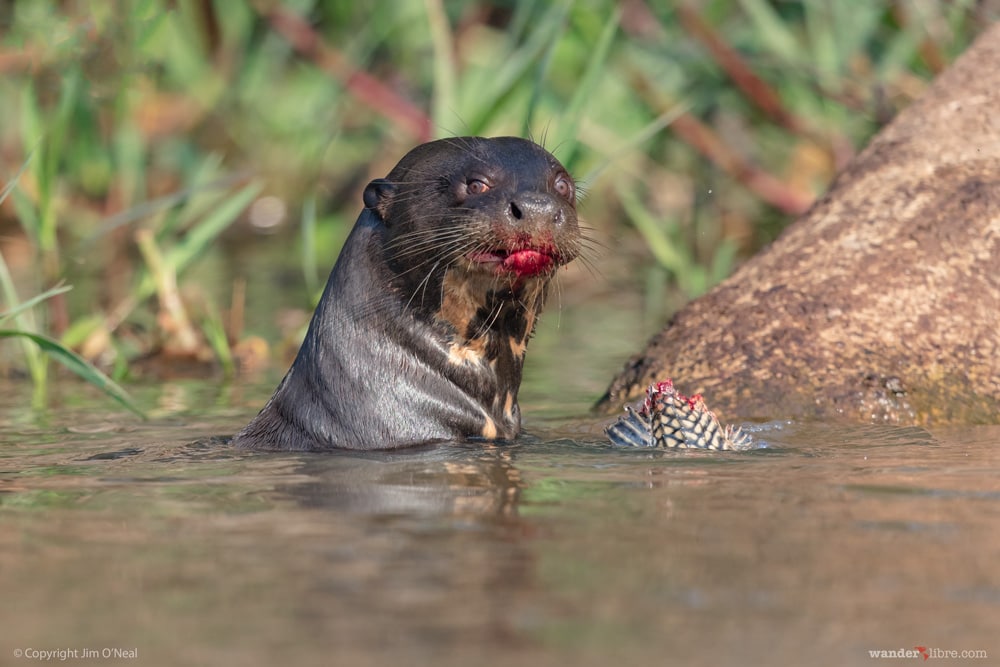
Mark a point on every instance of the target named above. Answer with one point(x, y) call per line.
point(827, 543)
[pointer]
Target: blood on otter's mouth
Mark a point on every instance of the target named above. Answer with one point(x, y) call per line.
point(525, 262)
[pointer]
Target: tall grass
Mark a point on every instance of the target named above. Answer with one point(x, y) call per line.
point(38, 347)
point(136, 136)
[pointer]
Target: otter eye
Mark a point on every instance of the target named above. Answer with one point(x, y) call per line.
point(474, 186)
point(564, 186)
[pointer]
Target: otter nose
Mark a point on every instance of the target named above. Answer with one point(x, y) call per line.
point(535, 208)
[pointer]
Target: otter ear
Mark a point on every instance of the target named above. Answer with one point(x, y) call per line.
point(377, 196)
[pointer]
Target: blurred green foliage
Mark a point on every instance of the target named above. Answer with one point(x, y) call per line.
point(697, 128)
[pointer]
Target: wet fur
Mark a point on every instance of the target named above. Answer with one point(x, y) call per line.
point(412, 342)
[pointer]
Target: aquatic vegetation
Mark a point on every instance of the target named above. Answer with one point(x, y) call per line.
point(143, 142)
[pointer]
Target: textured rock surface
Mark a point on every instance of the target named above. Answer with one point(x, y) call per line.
point(882, 303)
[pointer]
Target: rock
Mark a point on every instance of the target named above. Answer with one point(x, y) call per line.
point(880, 304)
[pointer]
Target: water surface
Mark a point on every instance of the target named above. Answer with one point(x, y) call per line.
point(828, 543)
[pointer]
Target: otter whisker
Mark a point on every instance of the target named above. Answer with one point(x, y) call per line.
point(455, 250)
point(423, 283)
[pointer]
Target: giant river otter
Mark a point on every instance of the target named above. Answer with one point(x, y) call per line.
point(421, 331)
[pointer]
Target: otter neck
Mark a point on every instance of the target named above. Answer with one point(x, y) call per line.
point(487, 324)
point(486, 313)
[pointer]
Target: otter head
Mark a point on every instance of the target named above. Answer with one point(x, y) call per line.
point(474, 229)
point(502, 207)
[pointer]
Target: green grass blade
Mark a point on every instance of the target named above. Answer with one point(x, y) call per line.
point(158, 205)
point(774, 33)
point(502, 81)
point(26, 321)
point(656, 239)
point(7, 189)
point(78, 365)
point(538, 88)
point(23, 208)
point(215, 334)
point(632, 143)
point(309, 270)
point(586, 91)
point(691, 277)
point(58, 289)
point(443, 99)
point(204, 233)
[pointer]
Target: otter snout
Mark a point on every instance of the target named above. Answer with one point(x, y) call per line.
point(535, 209)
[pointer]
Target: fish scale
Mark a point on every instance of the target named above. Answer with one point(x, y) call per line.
point(670, 420)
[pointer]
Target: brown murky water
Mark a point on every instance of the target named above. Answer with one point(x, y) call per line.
point(830, 542)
